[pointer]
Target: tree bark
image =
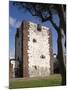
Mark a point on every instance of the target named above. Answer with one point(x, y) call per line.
point(62, 19)
point(60, 57)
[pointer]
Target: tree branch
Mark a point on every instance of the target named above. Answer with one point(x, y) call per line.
point(53, 23)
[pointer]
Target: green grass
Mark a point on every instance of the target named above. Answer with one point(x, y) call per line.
point(53, 80)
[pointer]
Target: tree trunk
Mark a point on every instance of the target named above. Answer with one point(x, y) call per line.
point(62, 19)
point(61, 58)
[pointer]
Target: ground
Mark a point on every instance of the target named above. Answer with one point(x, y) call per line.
point(52, 80)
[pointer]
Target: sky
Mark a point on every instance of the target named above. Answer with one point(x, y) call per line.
point(16, 16)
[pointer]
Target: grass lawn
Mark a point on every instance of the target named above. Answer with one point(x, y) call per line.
point(53, 80)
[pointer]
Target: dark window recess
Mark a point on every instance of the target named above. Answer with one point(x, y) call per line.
point(17, 34)
point(39, 27)
point(42, 56)
point(34, 40)
point(35, 67)
point(18, 58)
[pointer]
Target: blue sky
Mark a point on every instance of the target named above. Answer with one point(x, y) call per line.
point(16, 16)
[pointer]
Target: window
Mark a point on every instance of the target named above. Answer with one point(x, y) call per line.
point(18, 58)
point(17, 34)
point(39, 27)
point(35, 67)
point(34, 40)
point(42, 56)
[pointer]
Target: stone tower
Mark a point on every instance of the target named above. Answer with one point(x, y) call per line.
point(33, 50)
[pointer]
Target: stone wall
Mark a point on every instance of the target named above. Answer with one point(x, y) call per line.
point(10, 70)
point(36, 50)
point(39, 51)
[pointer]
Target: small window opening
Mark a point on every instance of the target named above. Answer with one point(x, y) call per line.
point(35, 67)
point(17, 34)
point(34, 40)
point(18, 58)
point(42, 56)
point(39, 27)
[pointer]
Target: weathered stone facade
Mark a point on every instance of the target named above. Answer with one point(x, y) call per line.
point(10, 70)
point(33, 50)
